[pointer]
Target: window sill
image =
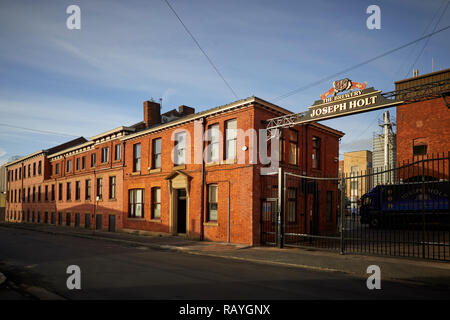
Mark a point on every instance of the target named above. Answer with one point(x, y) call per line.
point(155, 220)
point(137, 173)
point(229, 161)
point(179, 167)
point(156, 170)
point(211, 224)
point(135, 219)
point(112, 199)
point(212, 164)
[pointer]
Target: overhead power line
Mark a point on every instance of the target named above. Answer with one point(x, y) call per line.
point(290, 93)
point(426, 42)
point(38, 131)
point(424, 31)
point(201, 49)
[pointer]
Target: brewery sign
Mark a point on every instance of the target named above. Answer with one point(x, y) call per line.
point(358, 99)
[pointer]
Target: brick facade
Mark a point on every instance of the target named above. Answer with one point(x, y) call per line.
point(183, 189)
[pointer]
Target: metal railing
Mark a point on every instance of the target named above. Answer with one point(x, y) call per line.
point(400, 211)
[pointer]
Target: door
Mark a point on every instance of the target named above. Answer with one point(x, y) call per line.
point(112, 223)
point(98, 222)
point(181, 211)
point(77, 219)
point(87, 220)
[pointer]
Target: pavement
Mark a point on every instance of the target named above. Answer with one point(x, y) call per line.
point(408, 270)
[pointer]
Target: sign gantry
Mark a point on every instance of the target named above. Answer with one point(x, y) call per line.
point(356, 101)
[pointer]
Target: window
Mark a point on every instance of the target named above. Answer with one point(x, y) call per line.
point(293, 140)
point(23, 195)
point(69, 191)
point(93, 159)
point(19, 196)
point(214, 139)
point(34, 194)
point(105, 154)
point(281, 147)
point(156, 203)
point(40, 168)
point(329, 206)
point(60, 192)
point(77, 190)
point(53, 192)
point(20, 173)
point(88, 190)
point(136, 203)
point(34, 169)
point(180, 148)
point(15, 174)
point(100, 188)
point(112, 187)
point(69, 165)
point(46, 193)
point(118, 152)
point(83, 163)
point(78, 164)
point(39, 194)
point(29, 194)
point(420, 150)
point(292, 205)
point(57, 168)
point(212, 202)
point(230, 139)
point(137, 157)
point(50, 169)
point(156, 153)
point(24, 173)
point(29, 170)
point(316, 153)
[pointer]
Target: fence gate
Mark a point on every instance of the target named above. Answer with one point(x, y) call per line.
point(311, 217)
point(401, 211)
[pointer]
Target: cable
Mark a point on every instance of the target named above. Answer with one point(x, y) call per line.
point(39, 131)
point(426, 42)
point(424, 31)
point(356, 66)
point(203, 51)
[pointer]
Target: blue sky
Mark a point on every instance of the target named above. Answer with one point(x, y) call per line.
point(83, 82)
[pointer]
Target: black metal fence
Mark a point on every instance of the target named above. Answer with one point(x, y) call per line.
point(401, 211)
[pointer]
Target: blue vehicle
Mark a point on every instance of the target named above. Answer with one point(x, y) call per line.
point(403, 203)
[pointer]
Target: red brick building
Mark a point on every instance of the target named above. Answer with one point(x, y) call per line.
point(153, 176)
point(423, 127)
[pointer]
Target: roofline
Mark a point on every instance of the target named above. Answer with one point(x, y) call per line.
point(24, 158)
point(118, 129)
point(206, 113)
point(329, 129)
point(85, 144)
point(423, 76)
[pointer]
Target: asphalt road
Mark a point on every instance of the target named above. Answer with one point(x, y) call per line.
point(116, 271)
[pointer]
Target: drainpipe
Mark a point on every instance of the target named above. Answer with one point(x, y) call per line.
point(202, 202)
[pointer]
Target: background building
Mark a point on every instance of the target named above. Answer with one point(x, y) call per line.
point(384, 151)
point(2, 192)
point(357, 163)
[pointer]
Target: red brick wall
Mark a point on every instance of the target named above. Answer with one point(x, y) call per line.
point(429, 120)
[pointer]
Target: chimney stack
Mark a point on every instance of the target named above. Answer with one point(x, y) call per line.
point(185, 110)
point(152, 113)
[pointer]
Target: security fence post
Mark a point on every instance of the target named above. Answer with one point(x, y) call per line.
point(280, 209)
point(341, 207)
